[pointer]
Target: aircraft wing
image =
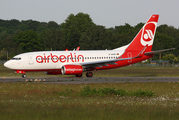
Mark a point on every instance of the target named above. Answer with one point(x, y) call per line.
point(113, 62)
point(102, 63)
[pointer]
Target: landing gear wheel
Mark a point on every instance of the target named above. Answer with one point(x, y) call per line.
point(79, 75)
point(89, 74)
point(24, 75)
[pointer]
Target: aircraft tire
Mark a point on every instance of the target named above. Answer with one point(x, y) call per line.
point(24, 75)
point(79, 75)
point(89, 74)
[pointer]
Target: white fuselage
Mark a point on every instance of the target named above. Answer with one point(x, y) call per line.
point(50, 60)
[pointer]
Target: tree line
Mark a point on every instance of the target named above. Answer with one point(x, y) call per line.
point(77, 30)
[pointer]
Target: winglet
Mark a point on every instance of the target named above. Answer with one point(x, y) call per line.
point(78, 48)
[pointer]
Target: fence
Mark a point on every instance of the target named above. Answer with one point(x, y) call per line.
point(155, 65)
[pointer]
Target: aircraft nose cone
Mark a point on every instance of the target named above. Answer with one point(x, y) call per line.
point(7, 64)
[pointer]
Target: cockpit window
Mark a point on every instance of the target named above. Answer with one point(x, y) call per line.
point(16, 58)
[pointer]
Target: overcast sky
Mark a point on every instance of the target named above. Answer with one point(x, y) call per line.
point(109, 13)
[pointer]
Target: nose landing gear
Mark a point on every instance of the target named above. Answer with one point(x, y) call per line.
point(21, 72)
point(24, 75)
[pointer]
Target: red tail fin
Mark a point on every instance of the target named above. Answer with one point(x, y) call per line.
point(145, 36)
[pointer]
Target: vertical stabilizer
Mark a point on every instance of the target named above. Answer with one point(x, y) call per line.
point(145, 37)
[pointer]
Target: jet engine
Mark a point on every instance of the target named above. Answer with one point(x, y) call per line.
point(72, 70)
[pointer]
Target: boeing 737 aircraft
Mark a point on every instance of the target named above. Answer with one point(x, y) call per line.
point(77, 62)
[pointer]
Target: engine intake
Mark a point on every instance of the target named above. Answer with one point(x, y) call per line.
point(72, 69)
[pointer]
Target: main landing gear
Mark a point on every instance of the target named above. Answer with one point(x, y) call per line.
point(89, 74)
point(24, 75)
point(79, 75)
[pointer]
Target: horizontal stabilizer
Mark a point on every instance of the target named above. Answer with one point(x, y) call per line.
point(158, 51)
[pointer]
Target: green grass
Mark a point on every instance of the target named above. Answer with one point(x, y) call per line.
point(39, 101)
point(139, 71)
point(42, 101)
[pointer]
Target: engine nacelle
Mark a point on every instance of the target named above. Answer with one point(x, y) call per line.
point(72, 70)
point(55, 72)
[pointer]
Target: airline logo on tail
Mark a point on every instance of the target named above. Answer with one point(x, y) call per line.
point(148, 36)
point(148, 33)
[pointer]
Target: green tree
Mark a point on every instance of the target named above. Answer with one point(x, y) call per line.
point(8, 45)
point(170, 57)
point(42, 27)
point(173, 33)
point(95, 38)
point(53, 39)
point(28, 41)
point(124, 34)
point(53, 25)
point(73, 28)
point(162, 41)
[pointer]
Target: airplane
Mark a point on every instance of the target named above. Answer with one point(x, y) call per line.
point(77, 62)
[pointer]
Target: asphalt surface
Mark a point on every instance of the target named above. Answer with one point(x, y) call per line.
point(86, 80)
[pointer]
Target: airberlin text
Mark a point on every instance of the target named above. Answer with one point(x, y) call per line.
point(72, 70)
point(72, 57)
